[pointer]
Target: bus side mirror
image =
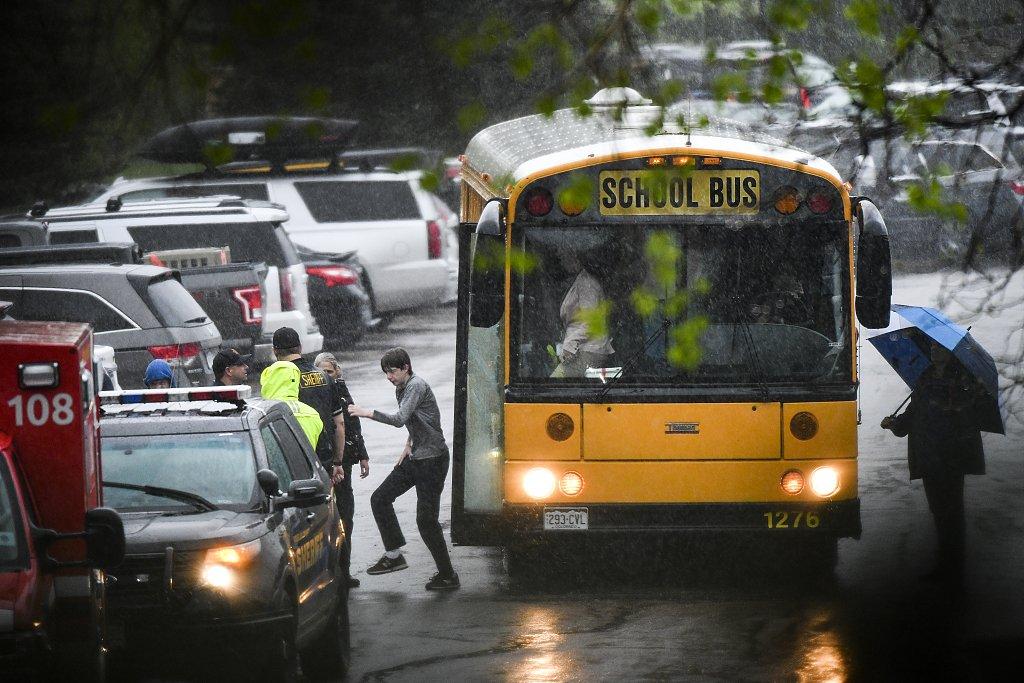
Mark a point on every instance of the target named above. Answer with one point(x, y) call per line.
point(874, 267)
point(104, 538)
point(487, 264)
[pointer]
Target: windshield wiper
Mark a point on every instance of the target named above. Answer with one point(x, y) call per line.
point(193, 499)
point(665, 323)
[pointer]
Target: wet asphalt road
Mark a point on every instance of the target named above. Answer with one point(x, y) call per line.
point(702, 610)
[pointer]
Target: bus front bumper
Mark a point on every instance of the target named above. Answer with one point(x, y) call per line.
point(835, 519)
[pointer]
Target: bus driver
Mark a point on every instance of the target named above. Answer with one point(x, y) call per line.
point(585, 299)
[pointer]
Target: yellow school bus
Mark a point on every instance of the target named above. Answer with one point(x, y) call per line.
point(657, 333)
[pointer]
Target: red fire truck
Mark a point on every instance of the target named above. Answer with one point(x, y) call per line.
point(55, 539)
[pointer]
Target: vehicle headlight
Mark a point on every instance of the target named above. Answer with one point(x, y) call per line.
point(218, 576)
point(220, 565)
point(233, 555)
point(824, 481)
point(539, 483)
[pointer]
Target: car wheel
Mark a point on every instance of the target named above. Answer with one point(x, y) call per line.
point(276, 658)
point(328, 656)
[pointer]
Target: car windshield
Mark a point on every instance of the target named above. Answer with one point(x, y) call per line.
point(701, 304)
point(10, 520)
point(218, 467)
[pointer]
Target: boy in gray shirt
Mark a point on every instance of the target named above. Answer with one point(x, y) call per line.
point(423, 465)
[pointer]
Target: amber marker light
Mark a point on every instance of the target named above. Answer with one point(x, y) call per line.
point(571, 483)
point(560, 427)
point(787, 200)
point(803, 425)
point(825, 481)
point(792, 482)
point(655, 161)
point(682, 161)
point(711, 161)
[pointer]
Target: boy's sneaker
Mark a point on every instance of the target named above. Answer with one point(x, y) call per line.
point(385, 565)
point(442, 582)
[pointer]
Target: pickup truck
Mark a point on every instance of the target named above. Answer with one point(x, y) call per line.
point(232, 294)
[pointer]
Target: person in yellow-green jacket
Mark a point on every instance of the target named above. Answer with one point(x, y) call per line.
point(280, 382)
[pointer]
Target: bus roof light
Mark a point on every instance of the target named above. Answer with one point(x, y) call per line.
point(711, 161)
point(819, 202)
point(682, 161)
point(539, 202)
point(787, 200)
point(655, 161)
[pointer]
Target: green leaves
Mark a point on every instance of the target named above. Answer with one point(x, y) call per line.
point(866, 16)
point(927, 197)
point(577, 193)
point(471, 116)
point(596, 319)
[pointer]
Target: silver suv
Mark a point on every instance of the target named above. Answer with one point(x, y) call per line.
point(251, 229)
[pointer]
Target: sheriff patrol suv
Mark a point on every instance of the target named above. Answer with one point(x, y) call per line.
point(232, 533)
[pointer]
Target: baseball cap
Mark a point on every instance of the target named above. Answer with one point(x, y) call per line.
point(286, 338)
point(225, 358)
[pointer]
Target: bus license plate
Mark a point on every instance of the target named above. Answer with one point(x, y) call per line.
point(566, 518)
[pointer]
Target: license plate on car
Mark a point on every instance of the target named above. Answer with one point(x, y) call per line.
point(566, 518)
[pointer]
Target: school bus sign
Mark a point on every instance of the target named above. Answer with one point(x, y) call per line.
point(664, 193)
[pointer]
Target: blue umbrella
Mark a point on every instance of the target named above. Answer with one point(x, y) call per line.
point(897, 346)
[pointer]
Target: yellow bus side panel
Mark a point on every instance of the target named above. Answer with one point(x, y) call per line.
point(526, 436)
point(679, 482)
point(681, 431)
point(837, 431)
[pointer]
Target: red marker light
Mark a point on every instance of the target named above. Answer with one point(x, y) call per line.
point(539, 202)
point(819, 202)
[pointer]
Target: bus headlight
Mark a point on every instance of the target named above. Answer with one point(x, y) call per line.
point(539, 483)
point(824, 481)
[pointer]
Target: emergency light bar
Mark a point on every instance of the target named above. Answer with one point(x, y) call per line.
point(130, 396)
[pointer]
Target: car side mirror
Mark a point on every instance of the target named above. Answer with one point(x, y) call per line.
point(269, 483)
point(487, 265)
point(304, 493)
point(104, 538)
point(874, 267)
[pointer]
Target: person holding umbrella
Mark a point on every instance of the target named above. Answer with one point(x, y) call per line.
point(950, 404)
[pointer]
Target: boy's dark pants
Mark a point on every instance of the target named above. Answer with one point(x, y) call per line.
point(428, 477)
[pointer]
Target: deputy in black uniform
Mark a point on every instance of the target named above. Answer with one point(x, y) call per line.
point(355, 452)
point(317, 390)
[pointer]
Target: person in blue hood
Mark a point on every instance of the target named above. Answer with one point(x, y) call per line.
point(159, 375)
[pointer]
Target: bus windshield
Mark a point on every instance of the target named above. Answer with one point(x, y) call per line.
point(765, 304)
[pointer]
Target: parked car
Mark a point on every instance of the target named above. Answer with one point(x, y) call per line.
point(336, 296)
point(252, 230)
point(231, 293)
point(967, 173)
point(142, 312)
point(233, 538)
point(346, 201)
